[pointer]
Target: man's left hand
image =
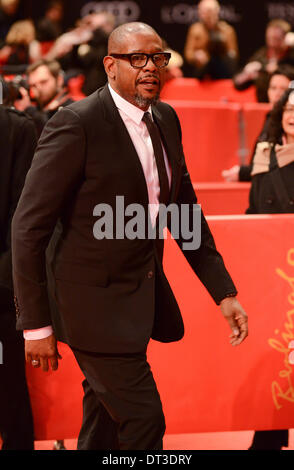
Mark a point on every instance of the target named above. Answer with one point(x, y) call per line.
point(237, 319)
point(24, 102)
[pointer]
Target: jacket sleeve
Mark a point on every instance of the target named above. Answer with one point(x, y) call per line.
point(254, 195)
point(55, 174)
point(245, 173)
point(24, 144)
point(206, 261)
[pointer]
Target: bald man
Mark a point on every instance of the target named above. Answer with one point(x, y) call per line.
point(211, 44)
point(110, 288)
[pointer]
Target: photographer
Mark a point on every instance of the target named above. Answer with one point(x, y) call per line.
point(46, 85)
point(211, 45)
point(81, 50)
point(266, 60)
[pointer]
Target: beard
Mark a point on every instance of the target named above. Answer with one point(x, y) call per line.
point(44, 101)
point(143, 102)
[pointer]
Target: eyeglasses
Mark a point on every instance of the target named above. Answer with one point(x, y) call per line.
point(139, 60)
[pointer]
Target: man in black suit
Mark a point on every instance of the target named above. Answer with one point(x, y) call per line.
point(111, 292)
point(17, 143)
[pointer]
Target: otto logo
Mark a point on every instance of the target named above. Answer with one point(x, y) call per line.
point(124, 12)
point(291, 354)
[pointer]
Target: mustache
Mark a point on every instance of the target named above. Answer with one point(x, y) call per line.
point(147, 76)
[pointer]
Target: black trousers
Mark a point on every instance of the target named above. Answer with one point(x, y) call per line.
point(270, 440)
point(121, 407)
point(16, 421)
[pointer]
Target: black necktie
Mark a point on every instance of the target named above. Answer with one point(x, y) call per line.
point(158, 153)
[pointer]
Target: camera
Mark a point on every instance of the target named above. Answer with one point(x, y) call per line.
point(11, 88)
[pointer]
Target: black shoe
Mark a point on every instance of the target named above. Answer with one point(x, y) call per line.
point(59, 445)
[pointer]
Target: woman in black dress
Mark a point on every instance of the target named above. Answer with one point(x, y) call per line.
point(272, 192)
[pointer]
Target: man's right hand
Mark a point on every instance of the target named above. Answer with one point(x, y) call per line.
point(231, 175)
point(43, 351)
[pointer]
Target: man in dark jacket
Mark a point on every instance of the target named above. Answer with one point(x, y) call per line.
point(111, 291)
point(17, 143)
point(267, 59)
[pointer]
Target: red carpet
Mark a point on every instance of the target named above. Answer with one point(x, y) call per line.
point(240, 440)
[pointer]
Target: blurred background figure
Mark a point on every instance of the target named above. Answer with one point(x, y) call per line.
point(8, 15)
point(272, 192)
point(272, 189)
point(21, 47)
point(17, 142)
point(50, 26)
point(174, 68)
point(46, 88)
point(278, 84)
point(211, 45)
point(266, 60)
point(81, 51)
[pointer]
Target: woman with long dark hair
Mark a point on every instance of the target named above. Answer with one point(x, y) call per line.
point(272, 192)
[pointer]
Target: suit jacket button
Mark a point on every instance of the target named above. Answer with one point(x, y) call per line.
point(269, 201)
point(150, 274)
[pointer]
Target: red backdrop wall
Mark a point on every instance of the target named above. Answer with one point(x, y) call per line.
point(205, 383)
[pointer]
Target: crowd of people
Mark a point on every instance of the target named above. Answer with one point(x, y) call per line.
point(53, 205)
point(211, 47)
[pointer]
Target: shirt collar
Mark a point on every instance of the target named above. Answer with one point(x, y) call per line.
point(133, 112)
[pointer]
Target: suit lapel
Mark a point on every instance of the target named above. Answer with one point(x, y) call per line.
point(125, 146)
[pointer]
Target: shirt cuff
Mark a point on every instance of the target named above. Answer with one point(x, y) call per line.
point(230, 294)
point(39, 333)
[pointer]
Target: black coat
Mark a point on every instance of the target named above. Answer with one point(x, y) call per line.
point(41, 117)
point(17, 145)
point(263, 198)
point(112, 294)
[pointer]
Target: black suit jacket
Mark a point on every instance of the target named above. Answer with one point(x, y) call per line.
point(17, 144)
point(112, 295)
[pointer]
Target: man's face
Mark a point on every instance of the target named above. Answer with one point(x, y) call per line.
point(10, 8)
point(141, 86)
point(208, 12)
point(275, 37)
point(43, 85)
point(55, 13)
point(277, 86)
